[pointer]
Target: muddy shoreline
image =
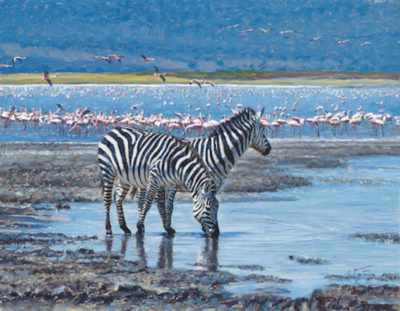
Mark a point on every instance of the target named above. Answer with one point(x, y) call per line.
point(56, 172)
point(40, 272)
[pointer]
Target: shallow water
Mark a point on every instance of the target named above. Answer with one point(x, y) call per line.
point(259, 236)
point(168, 99)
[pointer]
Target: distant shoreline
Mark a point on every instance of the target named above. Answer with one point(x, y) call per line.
point(298, 78)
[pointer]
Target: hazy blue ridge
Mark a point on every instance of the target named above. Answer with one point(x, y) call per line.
point(64, 35)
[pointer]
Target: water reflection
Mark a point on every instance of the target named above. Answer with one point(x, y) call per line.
point(165, 253)
point(208, 255)
point(207, 258)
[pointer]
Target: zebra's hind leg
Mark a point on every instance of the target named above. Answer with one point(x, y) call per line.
point(151, 190)
point(120, 193)
point(163, 210)
point(107, 199)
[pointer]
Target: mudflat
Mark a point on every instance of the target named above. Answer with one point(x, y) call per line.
point(39, 271)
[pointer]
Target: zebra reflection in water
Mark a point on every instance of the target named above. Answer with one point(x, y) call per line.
point(207, 258)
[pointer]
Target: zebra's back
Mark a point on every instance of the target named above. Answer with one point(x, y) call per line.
point(129, 153)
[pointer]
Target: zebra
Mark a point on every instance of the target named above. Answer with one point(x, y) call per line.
point(220, 151)
point(154, 161)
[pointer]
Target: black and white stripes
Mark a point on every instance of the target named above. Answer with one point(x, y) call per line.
point(220, 151)
point(154, 161)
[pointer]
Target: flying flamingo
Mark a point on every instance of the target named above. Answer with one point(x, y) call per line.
point(46, 77)
point(266, 30)
point(6, 66)
point(17, 58)
point(208, 82)
point(195, 81)
point(105, 58)
point(158, 74)
point(114, 58)
point(147, 59)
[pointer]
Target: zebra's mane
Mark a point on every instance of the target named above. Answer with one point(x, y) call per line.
point(189, 146)
point(248, 112)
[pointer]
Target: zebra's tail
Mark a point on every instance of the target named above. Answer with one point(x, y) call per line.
point(132, 192)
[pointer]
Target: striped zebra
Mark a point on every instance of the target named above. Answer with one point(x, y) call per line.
point(155, 161)
point(220, 151)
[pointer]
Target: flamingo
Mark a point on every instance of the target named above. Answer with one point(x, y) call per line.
point(158, 74)
point(268, 30)
point(208, 82)
point(286, 32)
point(17, 58)
point(147, 59)
point(105, 58)
point(46, 77)
point(6, 66)
point(315, 38)
point(115, 57)
point(195, 81)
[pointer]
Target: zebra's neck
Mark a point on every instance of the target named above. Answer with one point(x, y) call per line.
point(220, 152)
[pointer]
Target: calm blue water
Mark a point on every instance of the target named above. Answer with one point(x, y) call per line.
point(169, 99)
point(312, 221)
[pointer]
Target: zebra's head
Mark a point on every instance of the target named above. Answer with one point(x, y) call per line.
point(259, 139)
point(206, 208)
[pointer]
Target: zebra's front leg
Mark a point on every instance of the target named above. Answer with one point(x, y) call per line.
point(151, 190)
point(120, 193)
point(163, 209)
point(168, 211)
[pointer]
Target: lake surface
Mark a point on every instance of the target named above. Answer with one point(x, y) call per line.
point(213, 102)
point(260, 236)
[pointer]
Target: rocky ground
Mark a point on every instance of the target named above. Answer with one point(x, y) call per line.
point(36, 275)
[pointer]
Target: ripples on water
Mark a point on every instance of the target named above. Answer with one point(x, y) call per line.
point(259, 236)
point(214, 102)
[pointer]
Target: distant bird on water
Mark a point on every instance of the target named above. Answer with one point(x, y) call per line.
point(6, 66)
point(46, 77)
point(147, 59)
point(158, 74)
point(17, 58)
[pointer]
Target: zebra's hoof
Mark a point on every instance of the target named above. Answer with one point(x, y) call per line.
point(140, 228)
point(170, 231)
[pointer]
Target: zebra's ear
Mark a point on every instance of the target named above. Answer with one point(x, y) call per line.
point(260, 113)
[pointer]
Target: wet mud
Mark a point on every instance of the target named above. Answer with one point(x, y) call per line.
point(35, 275)
point(57, 172)
point(44, 271)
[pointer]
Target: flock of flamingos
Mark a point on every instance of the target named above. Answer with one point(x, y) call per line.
point(81, 121)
